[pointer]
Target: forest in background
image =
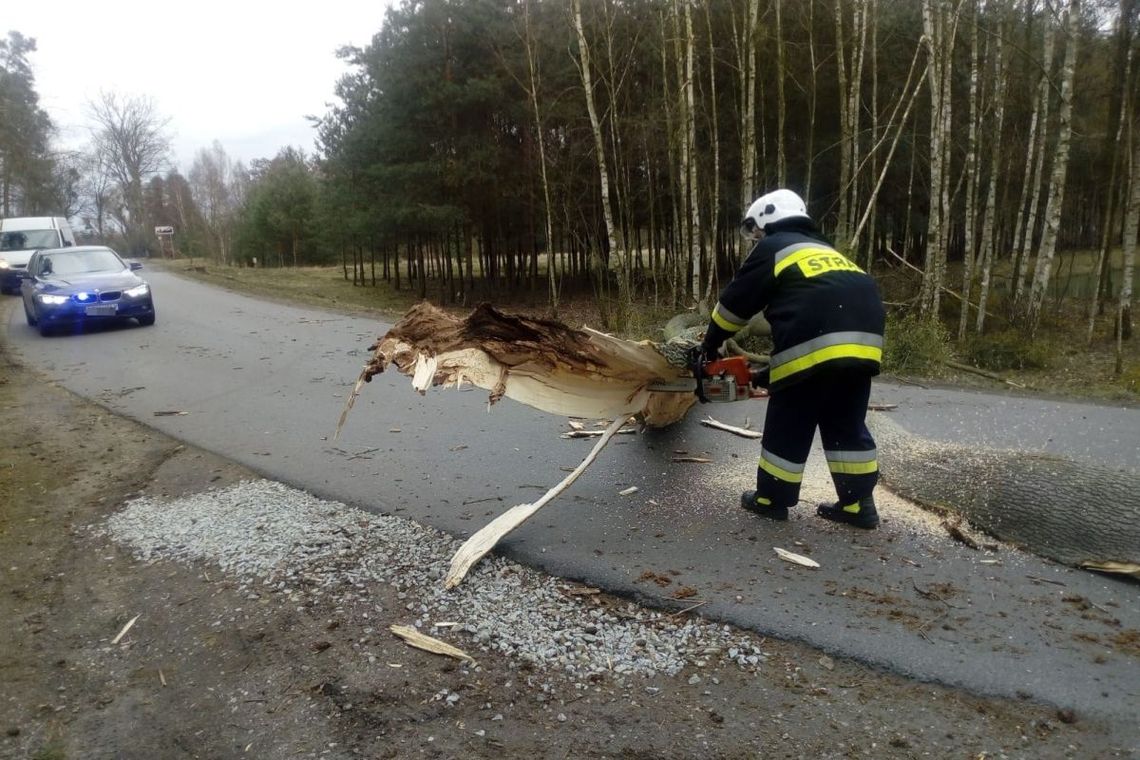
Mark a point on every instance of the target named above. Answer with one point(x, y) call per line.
point(480, 149)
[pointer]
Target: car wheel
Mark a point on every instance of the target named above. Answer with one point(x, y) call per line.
point(148, 320)
point(45, 329)
point(30, 317)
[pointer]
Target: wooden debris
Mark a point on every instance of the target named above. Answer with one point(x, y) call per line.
point(698, 460)
point(126, 628)
point(882, 407)
point(583, 374)
point(490, 534)
point(959, 535)
point(429, 644)
point(594, 433)
point(628, 491)
point(742, 432)
point(798, 559)
point(170, 413)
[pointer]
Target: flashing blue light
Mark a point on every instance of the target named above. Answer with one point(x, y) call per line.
point(82, 296)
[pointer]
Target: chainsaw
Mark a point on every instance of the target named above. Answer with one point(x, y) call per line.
point(720, 380)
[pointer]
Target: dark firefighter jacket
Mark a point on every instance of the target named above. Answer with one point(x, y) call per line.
point(825, 312)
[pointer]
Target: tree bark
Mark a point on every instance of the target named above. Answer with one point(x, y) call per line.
point(1060, 169)
point(615, 246)
point(989, 222)
point(1026, 499)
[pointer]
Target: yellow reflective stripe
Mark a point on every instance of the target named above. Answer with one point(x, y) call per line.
point(841, 351)
point(800, 255)
point(762, 500)
point(853, 468)
point(780, 473)
point(724, 322)
point(852, 508)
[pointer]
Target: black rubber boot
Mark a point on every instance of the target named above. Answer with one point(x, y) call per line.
point(748, 501)
point(861, 514)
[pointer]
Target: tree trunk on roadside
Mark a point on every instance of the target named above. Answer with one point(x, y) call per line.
point(1131, 231)
point(971, 180)
point(746, 65)
point(1038, 148)
point(940, 25)
point(1060, 169)
point(532, 91)
point(1115, 155)
point(615, 247)
point(989, 243)
point(714, 204)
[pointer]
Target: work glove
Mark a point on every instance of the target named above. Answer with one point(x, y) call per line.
point(696, 359)
point(760, 377)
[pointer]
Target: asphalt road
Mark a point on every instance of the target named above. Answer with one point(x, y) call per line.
point(263, 384)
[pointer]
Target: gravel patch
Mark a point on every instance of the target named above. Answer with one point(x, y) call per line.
point(274, 539)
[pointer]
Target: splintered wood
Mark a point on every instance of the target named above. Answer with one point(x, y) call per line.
point(544, 364)
point(429, 644)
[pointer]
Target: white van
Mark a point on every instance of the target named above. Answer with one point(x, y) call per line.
point(20, 237)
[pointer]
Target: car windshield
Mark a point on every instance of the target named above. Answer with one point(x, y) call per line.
point(82, 262)
point(23, 240)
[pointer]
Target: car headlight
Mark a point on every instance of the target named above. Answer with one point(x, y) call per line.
point(4, 264)
point(138, 290)
point(50, 300)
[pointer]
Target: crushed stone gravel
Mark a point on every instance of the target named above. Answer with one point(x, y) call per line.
point(274, 539)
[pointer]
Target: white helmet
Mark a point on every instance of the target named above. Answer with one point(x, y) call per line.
point(773, 207)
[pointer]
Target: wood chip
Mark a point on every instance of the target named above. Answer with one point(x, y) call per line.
point(429, 644)
point(170, 413)
point(126, 628)
point(698, 460)
point(882, 407)
point(483, 540)
point(595, 433)
point(798, 559)
point(742, 432)
point(628, 491)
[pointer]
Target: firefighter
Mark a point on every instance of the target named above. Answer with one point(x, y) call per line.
point(827, 323)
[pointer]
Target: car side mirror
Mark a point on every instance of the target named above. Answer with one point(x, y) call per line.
point(136, 265)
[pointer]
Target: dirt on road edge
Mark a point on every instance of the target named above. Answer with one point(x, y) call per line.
point(207, 672)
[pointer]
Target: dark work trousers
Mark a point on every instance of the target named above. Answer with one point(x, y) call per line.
point(836, 403)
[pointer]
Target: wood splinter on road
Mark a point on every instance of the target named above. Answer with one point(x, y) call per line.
point(126, 628)
point(428, 643)
point(742, 432)
point(582, 374)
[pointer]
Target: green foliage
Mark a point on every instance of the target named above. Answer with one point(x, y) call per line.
point(1130, 378)
point(1006, 350)
point(915, 345)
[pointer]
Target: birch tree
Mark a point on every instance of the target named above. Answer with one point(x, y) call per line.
point(1131, 231)
point(745, 38)
point(615, 247)
point(1060, 168)
point(1035, 167)
point(971, 178)
point(940, 27)
point(531, 86)
point(988, 247)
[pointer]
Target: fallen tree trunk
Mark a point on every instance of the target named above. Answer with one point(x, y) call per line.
point(1076, 513)
point(541, 363)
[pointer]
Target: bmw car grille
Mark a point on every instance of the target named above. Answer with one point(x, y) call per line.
point(110, 295)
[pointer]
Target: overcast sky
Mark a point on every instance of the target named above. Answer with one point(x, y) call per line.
point(244, 72)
